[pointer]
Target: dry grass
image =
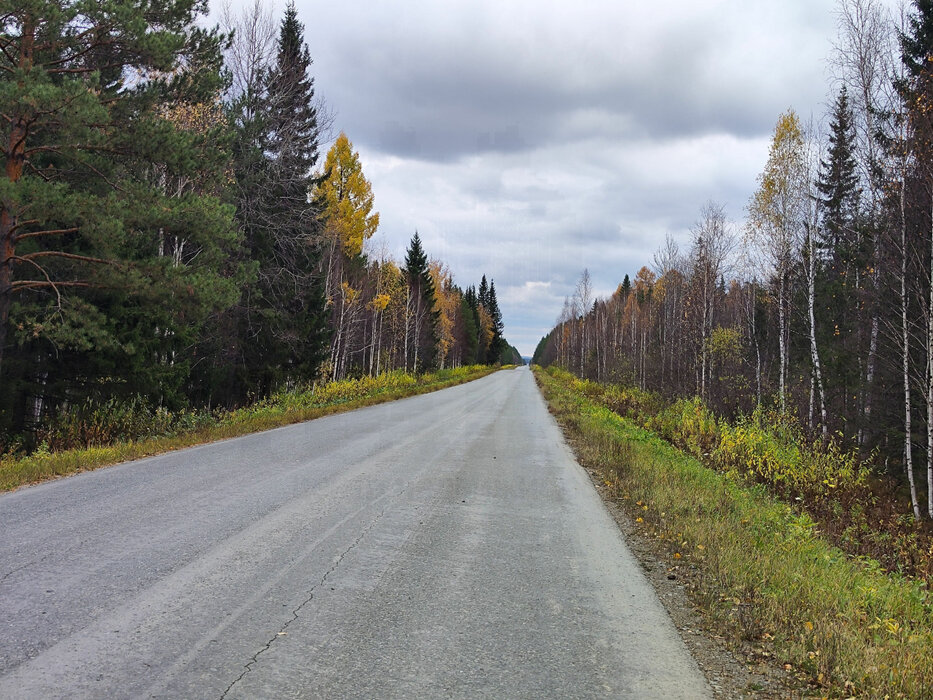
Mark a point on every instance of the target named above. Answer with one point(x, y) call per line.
point(760, 569)
point(281, 409)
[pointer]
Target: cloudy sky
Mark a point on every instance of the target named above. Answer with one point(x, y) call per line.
point(530, 139)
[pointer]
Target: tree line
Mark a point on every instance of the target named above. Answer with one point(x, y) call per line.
point(168, 228)
point(821, 304)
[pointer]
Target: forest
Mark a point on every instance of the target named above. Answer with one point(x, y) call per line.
point(819, 306)
point(172, 232)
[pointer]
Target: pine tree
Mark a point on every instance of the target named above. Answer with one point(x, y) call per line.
point(112, 238)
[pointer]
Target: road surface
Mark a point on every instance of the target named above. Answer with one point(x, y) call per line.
point(446, 545)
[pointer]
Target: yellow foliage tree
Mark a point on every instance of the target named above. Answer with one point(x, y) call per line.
point(447, 304)
point(346, 198)
point(775, 221)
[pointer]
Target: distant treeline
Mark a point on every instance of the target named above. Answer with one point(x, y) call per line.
point(168, 229)
point(823, 305)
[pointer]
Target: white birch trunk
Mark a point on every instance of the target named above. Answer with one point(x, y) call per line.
point(814, 351)
point(930, 385)
point(782, 342)
point(905, 357)
point(407, 321)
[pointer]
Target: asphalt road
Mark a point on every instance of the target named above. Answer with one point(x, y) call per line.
point(446, 545)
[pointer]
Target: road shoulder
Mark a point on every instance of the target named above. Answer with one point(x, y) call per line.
point(727, 673)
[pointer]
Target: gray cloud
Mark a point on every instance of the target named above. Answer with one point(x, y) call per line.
point(453, 79)
point(528, 139)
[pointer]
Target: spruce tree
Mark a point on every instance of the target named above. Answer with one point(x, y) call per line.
point(470, 329)
point(844, 255)
point(837, 183)
point(483, 296)
point(293, 125)
point(496, 344)
point(476, 354)
point(421, 318)
point(281, 322)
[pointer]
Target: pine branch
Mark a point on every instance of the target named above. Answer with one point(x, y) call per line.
point(18, 285)
point(76, 39)
point(49, 232)
point(30, 257)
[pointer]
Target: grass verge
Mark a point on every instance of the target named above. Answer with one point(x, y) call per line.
point(760, 570)
point(281, 409)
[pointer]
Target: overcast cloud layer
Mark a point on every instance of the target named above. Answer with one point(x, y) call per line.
point(529, 139)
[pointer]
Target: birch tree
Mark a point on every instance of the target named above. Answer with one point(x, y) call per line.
point(775, 218)
point(713, 243)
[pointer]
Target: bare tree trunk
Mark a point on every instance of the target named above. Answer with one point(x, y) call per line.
point(634, 346)
point(335, 346)
point(812, 400)
point(407, 321)
point(379, 344)
point(750, 310)
point(782, 342)
point(930, 384)
point(814, 352)
point(703, 344)
point(757, 373)
point(905, 357)
point(372, 351)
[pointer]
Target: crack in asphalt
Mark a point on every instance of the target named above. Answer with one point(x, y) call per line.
point(41, 559)
point(18, 568)
point(296, 612)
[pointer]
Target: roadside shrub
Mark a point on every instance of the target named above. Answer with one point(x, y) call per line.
point(860, 511)
point(689, 424)
point(94, 423)
point(631, 402)
point(97, 424)
point(781, 455)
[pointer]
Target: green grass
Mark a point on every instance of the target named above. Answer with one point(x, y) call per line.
point(280, 409)
point(761, 570)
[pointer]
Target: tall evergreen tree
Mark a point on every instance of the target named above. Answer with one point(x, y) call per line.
point(841, 265)
point(483, 295)
point(293, 124)
point(112, 237)
point(470, 329)
point(421, 314)
point(837, 183)
point(281, 321)
point(496, 343)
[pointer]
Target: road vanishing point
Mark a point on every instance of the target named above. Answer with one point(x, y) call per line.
point(443, 546)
